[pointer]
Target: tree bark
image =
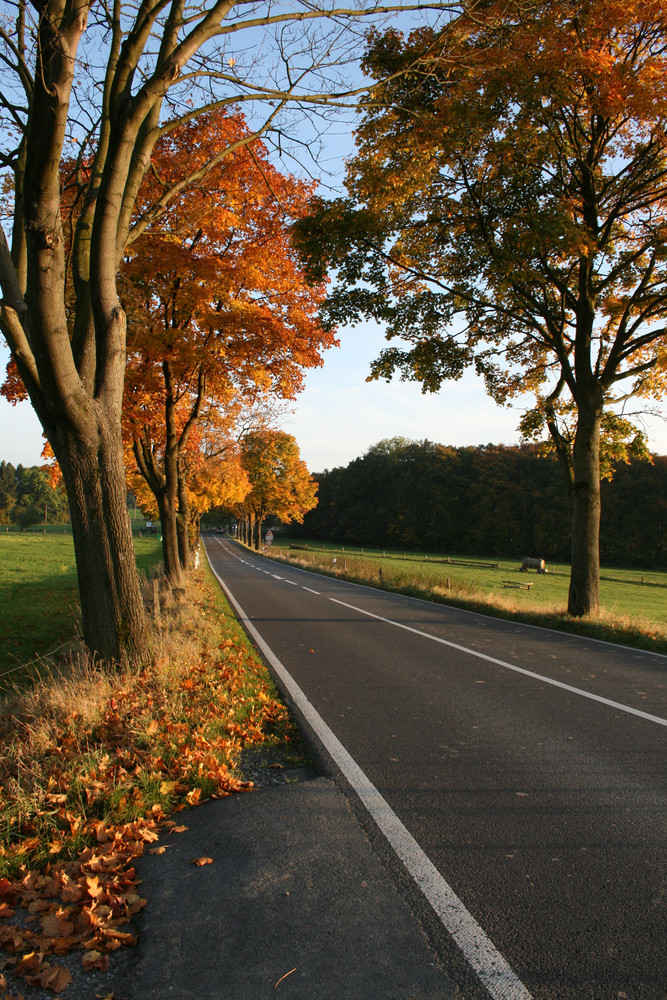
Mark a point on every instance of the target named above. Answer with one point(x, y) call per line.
point(165, 497)
point(112, 611)
point(584, 593)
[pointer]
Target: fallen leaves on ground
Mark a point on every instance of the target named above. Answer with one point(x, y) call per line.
point(79, 808)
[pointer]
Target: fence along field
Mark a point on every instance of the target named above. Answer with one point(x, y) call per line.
point(633, 603)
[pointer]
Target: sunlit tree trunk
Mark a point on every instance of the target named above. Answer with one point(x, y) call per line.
point(183, 521)
point(163, 489)
point(584, 593)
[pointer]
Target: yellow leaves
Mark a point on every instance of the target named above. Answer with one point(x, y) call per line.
point(193, 797)
point(95, 960)
point(200, 862)
point(56, 799)
point(93, 886)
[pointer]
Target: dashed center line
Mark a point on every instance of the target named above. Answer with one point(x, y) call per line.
point(483, 656)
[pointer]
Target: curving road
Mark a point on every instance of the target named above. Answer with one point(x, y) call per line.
point(527, 766)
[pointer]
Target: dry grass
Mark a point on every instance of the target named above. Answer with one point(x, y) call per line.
point(200, 661)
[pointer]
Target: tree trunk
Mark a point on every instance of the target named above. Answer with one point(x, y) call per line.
point(164, 491)
point(171, 535)
point(183, 526)
point(170, 546)
point(169, 519)
point(584, 594)
point(112, 611)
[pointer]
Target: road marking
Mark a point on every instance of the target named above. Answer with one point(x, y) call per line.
point(490, 659)
point(311, 591)
point(481, 954)
point(509, 666)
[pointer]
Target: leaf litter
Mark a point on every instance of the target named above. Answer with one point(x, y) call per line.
point(87, 784)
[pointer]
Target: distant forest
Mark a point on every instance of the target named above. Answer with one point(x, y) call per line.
point(27, 496)
point(490, 500)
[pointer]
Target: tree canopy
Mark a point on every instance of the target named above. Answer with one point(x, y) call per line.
point(492, 500)
point(507, 211)
point(28, 496)
point(220, 313)
point(280, 483)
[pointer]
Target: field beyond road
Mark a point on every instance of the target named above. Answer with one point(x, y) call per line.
point(633, 603)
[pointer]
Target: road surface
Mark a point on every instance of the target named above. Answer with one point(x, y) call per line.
point(520, 774)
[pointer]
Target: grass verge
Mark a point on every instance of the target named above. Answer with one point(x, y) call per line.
point(92, 764)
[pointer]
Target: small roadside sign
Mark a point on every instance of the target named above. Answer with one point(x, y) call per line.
point(269, 537)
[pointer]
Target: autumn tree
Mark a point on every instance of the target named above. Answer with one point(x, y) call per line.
point(107, 80)
point(507, 211)
point(208, 478)
point(280, 482)
point(218, 305)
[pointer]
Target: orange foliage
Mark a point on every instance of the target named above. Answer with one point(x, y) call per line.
point(280, 482)
point(219, 310)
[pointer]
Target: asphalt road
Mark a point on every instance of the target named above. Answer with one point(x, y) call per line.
point(529, 766)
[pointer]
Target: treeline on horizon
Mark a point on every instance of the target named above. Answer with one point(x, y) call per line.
point(490, 500)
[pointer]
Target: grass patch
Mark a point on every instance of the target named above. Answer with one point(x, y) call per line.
point(633, 604)
point(39, 597)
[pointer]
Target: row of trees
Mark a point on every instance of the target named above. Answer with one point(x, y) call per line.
point(263, 473)
point(493, 500)
point(28, 496)
point(223, 325)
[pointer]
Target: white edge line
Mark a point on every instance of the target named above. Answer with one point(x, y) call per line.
point(510, 666)
point(481, 954)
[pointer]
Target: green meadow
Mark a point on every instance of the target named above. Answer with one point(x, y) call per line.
point(39, 600)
